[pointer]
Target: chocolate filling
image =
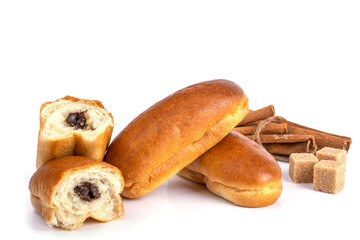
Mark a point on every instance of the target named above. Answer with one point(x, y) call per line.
point(77, 120)
point(87, 191)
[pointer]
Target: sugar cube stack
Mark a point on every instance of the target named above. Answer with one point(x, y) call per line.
point(326, 170)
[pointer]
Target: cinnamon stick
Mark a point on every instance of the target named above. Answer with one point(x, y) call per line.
point(283, 158)
point(285, 144)
point(259, 114)
point(323, 139)
point(270, 128)
point(254, 123)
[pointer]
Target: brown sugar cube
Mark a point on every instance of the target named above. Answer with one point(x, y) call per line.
point(301, 167)
point(328, 153)
point(329, 176)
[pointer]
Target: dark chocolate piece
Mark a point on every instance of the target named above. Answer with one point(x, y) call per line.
point(77, 120)
point(87, 191)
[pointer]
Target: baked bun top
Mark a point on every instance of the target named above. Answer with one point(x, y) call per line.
point(238, 162)
point(173, 124)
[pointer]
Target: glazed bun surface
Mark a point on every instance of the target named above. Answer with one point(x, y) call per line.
point(239, 170)
point(175, 131)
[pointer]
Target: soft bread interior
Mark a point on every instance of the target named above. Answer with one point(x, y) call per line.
point(70, 211)
point(56, 113)
point(186, 155)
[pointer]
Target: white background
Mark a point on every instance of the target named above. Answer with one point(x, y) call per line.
point(301, 56)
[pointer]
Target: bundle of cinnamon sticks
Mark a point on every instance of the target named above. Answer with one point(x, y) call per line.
point(281, 137)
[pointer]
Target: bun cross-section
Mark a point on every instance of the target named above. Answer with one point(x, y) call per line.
point(72, 126)
point(67, 191)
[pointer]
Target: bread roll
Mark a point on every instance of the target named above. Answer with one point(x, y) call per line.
point(239, 170)
point(73, 126)
point(174, 132)
point(67, 191)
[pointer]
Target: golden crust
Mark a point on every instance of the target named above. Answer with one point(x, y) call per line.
point(75, 144)
point(175, 131)
point(253, 198)
point(191, 175)
point(238, 170)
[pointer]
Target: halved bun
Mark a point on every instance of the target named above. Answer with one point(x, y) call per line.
point(73, 126)
point(67, 191)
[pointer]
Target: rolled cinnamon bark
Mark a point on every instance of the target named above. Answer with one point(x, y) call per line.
point(282, 158)
point(323, 139)
point(285, 144)
point(270, 128)
point(259, 114)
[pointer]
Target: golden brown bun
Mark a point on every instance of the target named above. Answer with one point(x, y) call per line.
point(54, 195)
point(174, 132)
point(59, 139)
point(238, 170)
